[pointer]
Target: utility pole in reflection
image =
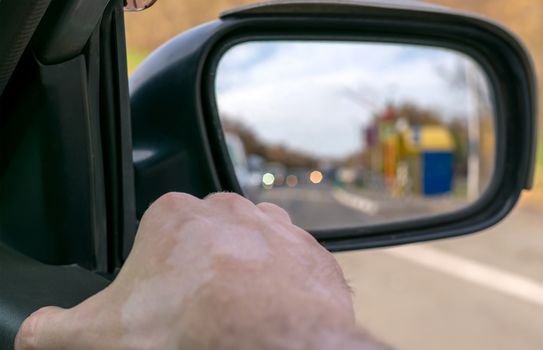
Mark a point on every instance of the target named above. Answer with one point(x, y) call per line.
point(473, 111)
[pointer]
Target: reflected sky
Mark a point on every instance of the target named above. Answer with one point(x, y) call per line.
point(318, 96)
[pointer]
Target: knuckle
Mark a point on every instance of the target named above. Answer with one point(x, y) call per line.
point(173, 199)
point(167, 204)
point(227, 197)
point(281, 210)
point(273, 207)
point(306, 236)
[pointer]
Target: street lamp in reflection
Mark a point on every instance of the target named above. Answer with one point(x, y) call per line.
point(267, 180)
point(315, 177)
point(292, 180)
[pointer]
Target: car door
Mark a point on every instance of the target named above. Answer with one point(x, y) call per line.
point(66, 188)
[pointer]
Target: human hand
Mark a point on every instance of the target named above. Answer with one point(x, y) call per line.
point(207, 274)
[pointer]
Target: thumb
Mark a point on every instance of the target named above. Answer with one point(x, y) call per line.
point(42, 330)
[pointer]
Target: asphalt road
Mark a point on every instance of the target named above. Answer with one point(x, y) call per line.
point(482, 291)
point(328, 207)
point(315, 208)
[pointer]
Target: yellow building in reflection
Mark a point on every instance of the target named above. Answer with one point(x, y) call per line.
point(415, 159)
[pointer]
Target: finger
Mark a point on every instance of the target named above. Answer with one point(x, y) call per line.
point(232, 202)
point(274, 211)
point(170, 209)
point(174, 201)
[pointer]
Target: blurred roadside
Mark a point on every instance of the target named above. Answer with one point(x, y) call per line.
point(147, 30)
point(534, 199)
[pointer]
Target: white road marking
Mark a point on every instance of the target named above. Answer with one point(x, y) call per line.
point(355, 202)
point(290, 194)
point(472, 271)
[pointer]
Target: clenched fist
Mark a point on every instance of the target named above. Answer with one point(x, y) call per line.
point(218, 273)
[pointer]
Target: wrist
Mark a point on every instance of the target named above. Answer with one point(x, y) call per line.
point(346, 337)
point(272, 316)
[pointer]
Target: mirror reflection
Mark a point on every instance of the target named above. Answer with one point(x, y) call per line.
point(345, 134)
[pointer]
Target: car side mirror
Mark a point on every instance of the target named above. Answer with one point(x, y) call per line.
point(371, 124)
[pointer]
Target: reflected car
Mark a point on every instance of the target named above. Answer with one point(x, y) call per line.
point(249, 180)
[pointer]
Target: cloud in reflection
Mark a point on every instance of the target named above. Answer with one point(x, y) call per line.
point(317, 96)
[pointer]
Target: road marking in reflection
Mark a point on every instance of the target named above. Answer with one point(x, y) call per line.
point(355, 202)
point(291, 194)
point(472, 271)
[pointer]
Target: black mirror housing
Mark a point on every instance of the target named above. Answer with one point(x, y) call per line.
point(179, 144)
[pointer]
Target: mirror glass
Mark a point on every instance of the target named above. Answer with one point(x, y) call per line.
point(349, 134)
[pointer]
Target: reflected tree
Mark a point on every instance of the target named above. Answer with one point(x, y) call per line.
point(253, 144)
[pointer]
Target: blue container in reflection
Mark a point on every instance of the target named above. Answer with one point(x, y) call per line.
point(437, 172)
point(429, 154)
